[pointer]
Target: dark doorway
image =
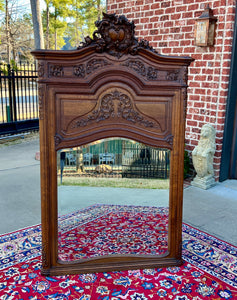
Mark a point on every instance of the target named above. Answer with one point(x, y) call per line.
point(233, 160)
point(229, 151)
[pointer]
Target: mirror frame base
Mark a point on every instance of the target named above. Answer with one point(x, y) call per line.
point(74, 268)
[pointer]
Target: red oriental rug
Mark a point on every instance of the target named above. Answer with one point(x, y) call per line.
point(113, 229)
point(209, 271)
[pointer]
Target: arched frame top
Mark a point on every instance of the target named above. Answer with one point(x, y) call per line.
point(112, 86)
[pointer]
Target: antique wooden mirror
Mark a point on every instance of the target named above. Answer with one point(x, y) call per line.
point(112, 90)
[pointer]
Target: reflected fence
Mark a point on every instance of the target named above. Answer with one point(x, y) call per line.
point(115, 157)
point(18, 98)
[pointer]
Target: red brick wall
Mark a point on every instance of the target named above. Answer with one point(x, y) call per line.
point(169, 26)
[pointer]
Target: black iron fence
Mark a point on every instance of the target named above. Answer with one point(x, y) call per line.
point(117, 157)
point(18, 98)
point(140, 161)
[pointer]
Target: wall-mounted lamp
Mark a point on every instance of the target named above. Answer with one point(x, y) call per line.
point(205, 28)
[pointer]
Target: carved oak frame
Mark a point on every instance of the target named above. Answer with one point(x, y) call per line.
point(110, 86)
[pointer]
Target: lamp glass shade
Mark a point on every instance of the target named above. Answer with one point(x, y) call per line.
point(201, 32)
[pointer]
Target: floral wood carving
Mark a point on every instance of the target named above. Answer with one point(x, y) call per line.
point(115, 35)
point(114, 104)
point(56, 71)
point(152, 73)
point(79, 71)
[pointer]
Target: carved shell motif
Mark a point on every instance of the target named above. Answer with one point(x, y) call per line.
point(114, 104)
point(115, 35)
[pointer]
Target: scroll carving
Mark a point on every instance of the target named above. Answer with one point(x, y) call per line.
point(169, 139)
point(185, 95)
point(45, 246)
point(95, 64)
point(40, 70)
point(172, 75)
point(41, 101)
point(180, 75)
point(115, 35)
point(149, 72)
point(184, 73)
point(114, 104)
point(44, 256)
point(137, 66)
point(82, 70)
point(57, 139)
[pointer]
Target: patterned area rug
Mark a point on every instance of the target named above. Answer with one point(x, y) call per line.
point(113, 229)
point(209, 271)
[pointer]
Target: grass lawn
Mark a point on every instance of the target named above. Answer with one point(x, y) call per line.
point(135, 183)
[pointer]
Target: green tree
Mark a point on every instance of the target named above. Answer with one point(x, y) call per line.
point(1, 5)
point(84, 13)
point(55, 22)
point(71, 19)
point(1, 9)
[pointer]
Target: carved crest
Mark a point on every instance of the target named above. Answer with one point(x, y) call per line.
point(115, 35)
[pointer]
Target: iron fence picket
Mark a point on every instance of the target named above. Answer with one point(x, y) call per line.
point(19, 99)
point(2, 85)
point(22, 89)
point(145, 162)
point(29, 98)
point(13, 99)
point(32, 91)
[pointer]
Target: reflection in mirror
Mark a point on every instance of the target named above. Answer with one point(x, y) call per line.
point(113, 199)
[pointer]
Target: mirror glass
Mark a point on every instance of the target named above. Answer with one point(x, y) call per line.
point(113, 199)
